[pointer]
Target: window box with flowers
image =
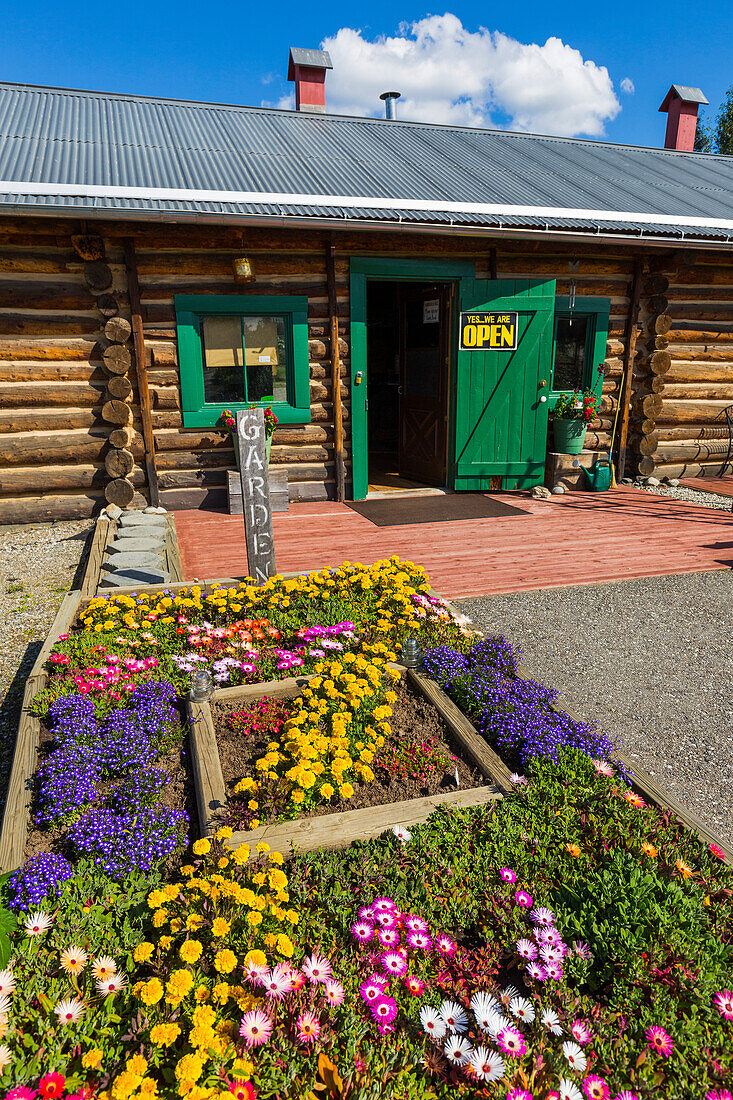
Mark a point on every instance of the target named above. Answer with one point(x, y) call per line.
point(570, 419)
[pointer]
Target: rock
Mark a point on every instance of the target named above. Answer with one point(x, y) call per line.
point(150, 511)
point(113, 511)
point(141, 560)
point(674, 481)
point(142, 531)
point(652, 481)
point(626, 481)
point(539, 492)
point(558, 490)
point(140, 519)
point(130, 578)
point(137, 546)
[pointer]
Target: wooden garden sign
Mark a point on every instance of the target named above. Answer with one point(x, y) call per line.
point(256, 508)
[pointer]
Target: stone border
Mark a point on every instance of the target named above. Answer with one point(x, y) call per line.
point(340, 829)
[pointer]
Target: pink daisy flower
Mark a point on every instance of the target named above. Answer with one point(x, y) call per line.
point(366, 913)
point(627, 1094)
point(511, 1042)
point(524, 899)
point(445, 945)
point(717, 851)
point(393, 963)
point(371, 991)
point(420, 941)
point(551, 953)
point(255, 1028)
point(581, 1032)
point(383, 905)
point(507, 875)
point(21, 1092)
point(534, 970)
point(255, 973)
point(719, 1094)
point(658, 1039)
point(414, 985)
point(526, 949)
point(386, 920)
point(334, 992)
point(603, 768)
point(595, 1088)
point(388, 937)
point(362, 931)
point(384, 1010)
point(550, 935)
point(385, 1029)
point(415, 923)
point(723, 1001)
point(317, 969)
point(581, 949)
point(554, 971)
point(308, 1027)
point(519, 1094)
point(542, 916)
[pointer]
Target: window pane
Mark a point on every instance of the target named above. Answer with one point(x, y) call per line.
point(265, 357)
point(223, 359)
point(571, 335)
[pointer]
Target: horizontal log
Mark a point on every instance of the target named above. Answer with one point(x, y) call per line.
point(190, 262)
point(165, 397)
point(37, 508)
point(24, 324)
point(116, 412)
point(699, 390)
point(39, 262)
point(702, 339)
point(660, 362)
point(648, 406)
point(686, 370)
point(692, 469)
point(702, 451)
point(22, 295)
point(118, 462)
point(17, 370)
point(81, 348)
point(38, 447)
point(119, 386)
point(694, 432)
point(692, 412)
point(48, 478)
point(118, 330)
point(20, 420)
point(45, 394)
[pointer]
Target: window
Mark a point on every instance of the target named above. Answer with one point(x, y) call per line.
point(237, 350)
point(579, 345)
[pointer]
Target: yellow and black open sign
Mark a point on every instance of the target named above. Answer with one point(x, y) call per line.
point(488, 332)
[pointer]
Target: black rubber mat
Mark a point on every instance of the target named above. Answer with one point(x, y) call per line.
point(402, 510)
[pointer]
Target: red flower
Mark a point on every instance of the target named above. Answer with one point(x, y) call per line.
point(717, 851)
point(52, 1085)
point(242, 1090)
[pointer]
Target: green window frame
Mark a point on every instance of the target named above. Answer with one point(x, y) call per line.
point(190, 311)
point(597, 310)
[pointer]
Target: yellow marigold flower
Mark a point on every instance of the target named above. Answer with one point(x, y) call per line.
point(156, 899)
point(194, 921)
point(259, 958)
point(189, 1067)
point(297, 796)
point(253, 919)
point(162, 1035)
point(164, 942)
point(226, 960)
point(201, 847)
point(220, 993)
point(151, 992)
point(285, 946)
point(136, 1064)
point(202, 994)
point(143, 952)
point(241, 854)
point(346, 790)
point(92, 1059)
point(190, 951)
point(293, 916)
point(179, 985)
point(160, 916)
point(220, 927)
point(276, 857)
point(326, 791)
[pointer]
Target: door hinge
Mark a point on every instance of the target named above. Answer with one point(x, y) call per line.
point(366, 403)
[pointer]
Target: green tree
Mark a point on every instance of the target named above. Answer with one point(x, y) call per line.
point(717, 136)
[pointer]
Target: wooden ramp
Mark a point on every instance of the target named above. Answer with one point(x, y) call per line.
point(580, 538)
point(723, 486)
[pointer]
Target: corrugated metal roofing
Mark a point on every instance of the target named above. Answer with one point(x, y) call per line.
point(66, 150)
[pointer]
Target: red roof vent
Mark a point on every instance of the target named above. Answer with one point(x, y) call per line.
point(681, 105)
point(308, 69)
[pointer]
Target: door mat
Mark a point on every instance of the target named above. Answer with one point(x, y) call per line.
point(399, 510)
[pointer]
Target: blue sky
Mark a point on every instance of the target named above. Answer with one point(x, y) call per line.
point(238, 53)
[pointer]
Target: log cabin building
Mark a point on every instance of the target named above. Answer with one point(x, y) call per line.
point(410, 298)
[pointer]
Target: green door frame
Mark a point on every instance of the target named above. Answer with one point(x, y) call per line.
point(388, 270)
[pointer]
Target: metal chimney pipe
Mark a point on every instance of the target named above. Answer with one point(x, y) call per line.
point(390, 103)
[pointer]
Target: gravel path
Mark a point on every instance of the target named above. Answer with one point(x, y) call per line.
point(692, 496)
point(38, 565)
point(649, 660)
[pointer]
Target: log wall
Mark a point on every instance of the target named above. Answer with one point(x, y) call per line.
point(71, 432)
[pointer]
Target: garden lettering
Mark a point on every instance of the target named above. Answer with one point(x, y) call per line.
point(256, 509)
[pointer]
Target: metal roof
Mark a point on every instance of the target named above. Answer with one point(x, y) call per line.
point(310, 59)
point(95, 154)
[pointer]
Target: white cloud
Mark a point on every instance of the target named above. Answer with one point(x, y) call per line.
point(627, 85)
point(449, 74)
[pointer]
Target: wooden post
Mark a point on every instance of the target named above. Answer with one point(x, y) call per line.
point(138, 339)
point(256, 510)
point(630, 334)
point(338, 424)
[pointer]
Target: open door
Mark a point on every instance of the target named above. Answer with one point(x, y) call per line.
point(504, 367)
point(424, 384)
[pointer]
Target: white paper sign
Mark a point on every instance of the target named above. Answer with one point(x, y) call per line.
point(431, 311)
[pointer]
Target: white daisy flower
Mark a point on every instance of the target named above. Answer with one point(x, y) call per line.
point(5, 1005)
point(522, 1009)
point(491, 1023)
point(574, 1056)
point(5, 1057)
point(487, 1064)
point(104, 967)
point(7, 983)
point(568, 1091)
point(458, 1050)
point(432, 1022)
point(403, 835)
point(73, 959)
point(507, 995)
point(453, 1016)
point(69, 1012)
point(482, 1004)
point(551, 1021)
point(37, 923)
point(112, 985)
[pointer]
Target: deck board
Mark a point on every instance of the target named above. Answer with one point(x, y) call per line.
point(723, 486)
point(580, 538)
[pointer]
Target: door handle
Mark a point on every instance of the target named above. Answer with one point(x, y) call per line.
point(543, 399)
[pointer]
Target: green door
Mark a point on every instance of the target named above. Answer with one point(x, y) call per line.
point(501, 421)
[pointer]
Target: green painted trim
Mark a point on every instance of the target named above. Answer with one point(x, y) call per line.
point(595, 348)
point(196, 412)
point(386, 269)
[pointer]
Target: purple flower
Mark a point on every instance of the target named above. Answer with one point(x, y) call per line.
point(38, 879)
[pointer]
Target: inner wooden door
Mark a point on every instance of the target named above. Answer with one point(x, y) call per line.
point(424, 383)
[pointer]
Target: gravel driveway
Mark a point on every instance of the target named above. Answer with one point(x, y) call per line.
point(651, 661)
point(38, 565)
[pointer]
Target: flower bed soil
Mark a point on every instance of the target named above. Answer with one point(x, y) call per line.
point(178, 794)
point(413, 718)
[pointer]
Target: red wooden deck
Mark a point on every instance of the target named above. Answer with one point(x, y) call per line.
point(580, 538)
point(723, 486)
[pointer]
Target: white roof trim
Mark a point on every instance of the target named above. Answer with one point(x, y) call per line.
point(180, 194)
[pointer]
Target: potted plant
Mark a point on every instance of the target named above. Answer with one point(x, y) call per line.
point(228, 420)
point(570, 419)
